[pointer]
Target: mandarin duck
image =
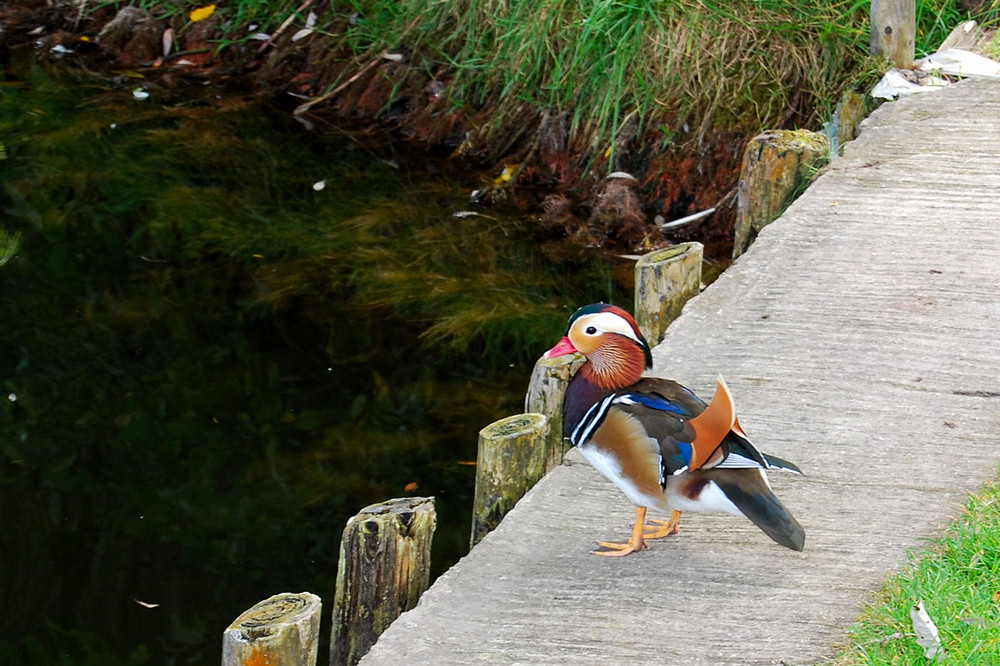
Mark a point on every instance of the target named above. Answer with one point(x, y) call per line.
point(657, 441)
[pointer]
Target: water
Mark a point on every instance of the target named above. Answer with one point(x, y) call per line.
point(209, 361)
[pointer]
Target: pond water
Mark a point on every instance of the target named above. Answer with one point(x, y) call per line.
point(221, 335)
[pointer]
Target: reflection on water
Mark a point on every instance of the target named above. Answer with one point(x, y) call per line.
point(209, 361)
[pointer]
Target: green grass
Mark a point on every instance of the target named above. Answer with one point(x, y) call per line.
point(937, 18)
point(617, 69)
point(647, 72)
point(958, 578)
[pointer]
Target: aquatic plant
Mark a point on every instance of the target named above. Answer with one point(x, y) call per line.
point(9, 244)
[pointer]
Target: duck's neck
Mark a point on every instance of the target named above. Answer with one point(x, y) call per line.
point(616, 365)
point(580, 395)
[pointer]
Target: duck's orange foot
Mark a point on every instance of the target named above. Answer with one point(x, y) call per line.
point(657, 529)
point(619, 549)
point(633, 545)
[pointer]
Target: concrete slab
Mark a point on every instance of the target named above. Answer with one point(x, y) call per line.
point(859, 338)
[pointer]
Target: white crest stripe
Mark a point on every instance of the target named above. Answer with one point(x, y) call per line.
point(608, 322)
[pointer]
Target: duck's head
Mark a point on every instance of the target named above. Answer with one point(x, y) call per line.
point(608, 336)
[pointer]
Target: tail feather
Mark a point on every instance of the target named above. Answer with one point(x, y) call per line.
point(759, 504)
point(781, 463)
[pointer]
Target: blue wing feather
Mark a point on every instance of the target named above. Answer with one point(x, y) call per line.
point(653, 401)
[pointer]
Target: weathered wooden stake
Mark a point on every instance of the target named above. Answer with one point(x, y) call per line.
point(385, 557)
point(894, 28)
point(664, 281)
point(546, 391)
point(512, 458)
point(777, 165)
point(847, 117)
point(280, 631)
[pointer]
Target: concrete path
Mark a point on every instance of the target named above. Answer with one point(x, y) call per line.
point(859, 336)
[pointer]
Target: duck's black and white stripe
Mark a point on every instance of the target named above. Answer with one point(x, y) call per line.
point(591, 421)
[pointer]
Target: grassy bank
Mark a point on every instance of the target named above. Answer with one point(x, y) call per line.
point(668, 91)
point(568, 92)
point(957, 578)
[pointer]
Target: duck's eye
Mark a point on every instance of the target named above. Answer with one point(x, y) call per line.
point(591, 330)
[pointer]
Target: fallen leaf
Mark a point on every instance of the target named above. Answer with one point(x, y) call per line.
point(302, 34)
point(506, 175)
point(139, 93)
point(168, 41)
point(927, 632)
point(146, 605)
point(201, 13)
point(311, 20)
point(410, 487)
point(462, 214)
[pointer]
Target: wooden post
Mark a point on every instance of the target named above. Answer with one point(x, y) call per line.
point(894, 27)
point(280, 631)
point(664, 281)
point(777, 166)
point(847, 117)
point(512, 457)
point(384, 567)
point(546, 391)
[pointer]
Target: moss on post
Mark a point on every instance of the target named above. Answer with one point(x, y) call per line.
point(777, 166)
point(282, 630)
point(853, 108)
point(384, 567)
point(664, 281)
point(512, 458)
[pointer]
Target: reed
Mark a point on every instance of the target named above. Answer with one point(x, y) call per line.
point(623, 73)
point(666, 70)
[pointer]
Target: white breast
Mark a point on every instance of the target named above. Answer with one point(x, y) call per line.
point(609, 466)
